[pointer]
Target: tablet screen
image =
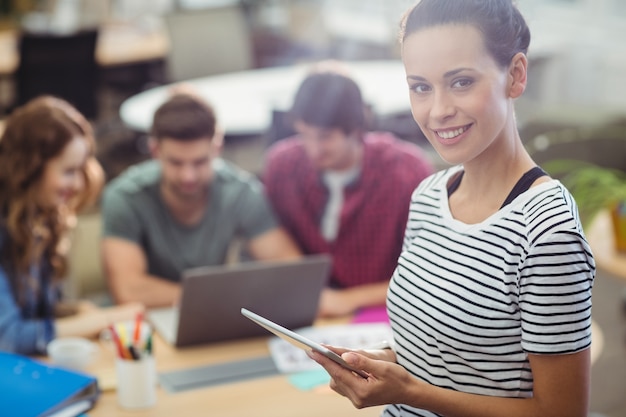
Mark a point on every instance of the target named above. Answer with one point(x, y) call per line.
point(299, 340)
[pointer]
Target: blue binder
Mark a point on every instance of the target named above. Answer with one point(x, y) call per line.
point(30, 388)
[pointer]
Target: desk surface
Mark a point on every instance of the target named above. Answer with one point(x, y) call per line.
point(118, 44)
point(273, 396)
point(244, 100)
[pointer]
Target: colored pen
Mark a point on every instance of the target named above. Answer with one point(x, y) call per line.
point(137, 332)
point(149, 343)
point(121, 329)
point(134, 353)
point(116, 341)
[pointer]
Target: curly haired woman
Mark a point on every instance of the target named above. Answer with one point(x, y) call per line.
point(48, 173)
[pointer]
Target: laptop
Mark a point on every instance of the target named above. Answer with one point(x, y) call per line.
point(212, 297)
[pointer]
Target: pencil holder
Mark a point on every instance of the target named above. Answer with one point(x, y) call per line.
point(134, 363)
point(136, 382)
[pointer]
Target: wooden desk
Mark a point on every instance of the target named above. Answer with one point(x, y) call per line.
point(123, 43)
point(273, 396)
point(602, 242)
point(118, 44)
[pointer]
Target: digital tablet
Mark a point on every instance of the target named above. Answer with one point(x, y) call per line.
point(299, 340)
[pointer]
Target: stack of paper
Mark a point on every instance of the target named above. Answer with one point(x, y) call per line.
point(289, 358)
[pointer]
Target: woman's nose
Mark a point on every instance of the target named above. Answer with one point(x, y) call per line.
point(442, 106)
point(77, 183)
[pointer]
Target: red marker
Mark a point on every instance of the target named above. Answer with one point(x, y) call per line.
point(137, 332)
point(117, 342)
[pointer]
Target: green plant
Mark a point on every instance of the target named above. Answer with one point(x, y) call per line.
point(594, 187)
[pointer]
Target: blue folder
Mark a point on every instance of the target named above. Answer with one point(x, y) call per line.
point(31, 388)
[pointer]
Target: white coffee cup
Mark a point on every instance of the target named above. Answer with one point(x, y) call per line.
point(72, 352)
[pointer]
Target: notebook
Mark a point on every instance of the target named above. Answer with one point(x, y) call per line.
point(212, 298)
point(33, 388)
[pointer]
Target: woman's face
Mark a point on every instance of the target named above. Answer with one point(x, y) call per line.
point(63, 175)
point(459, 95)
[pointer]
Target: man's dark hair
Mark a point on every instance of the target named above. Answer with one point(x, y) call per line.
point(329, 100)
point(183, 117)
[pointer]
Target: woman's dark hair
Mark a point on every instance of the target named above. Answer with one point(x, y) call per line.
point(329, 100)
point(184, 117)
point(503, 27)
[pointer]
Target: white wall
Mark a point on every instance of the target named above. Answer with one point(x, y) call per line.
point(583, 43)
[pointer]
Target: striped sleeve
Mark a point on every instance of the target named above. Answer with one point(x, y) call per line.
point(556, 279)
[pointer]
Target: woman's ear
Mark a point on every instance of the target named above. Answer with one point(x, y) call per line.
point(518, 70)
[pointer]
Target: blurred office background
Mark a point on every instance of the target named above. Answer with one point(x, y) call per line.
point(99, 53)
point(577, 53)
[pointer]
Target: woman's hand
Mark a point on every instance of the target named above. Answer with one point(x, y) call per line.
point(560, 387)
point(388, 382)
point(91, 320)
point(121, 312)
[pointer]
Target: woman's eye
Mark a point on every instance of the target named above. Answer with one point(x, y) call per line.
point(420, 88)
point(462, 83)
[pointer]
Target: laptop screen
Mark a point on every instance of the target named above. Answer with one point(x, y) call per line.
point(210, 308)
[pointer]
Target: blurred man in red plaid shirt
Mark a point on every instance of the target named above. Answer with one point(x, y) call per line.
point(340, 189)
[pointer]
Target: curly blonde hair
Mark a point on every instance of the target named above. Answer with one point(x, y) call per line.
point(34, 134)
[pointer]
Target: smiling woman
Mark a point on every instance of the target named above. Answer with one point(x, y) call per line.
point(490, 302)
point(48, 172)
point(47, 169)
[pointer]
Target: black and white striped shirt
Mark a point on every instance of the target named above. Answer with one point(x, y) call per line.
point(469, 302)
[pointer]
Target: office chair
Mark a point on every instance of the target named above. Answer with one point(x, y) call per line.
point(280, 127)
point(210, 41)
point(61, 65)
point(86, 278)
